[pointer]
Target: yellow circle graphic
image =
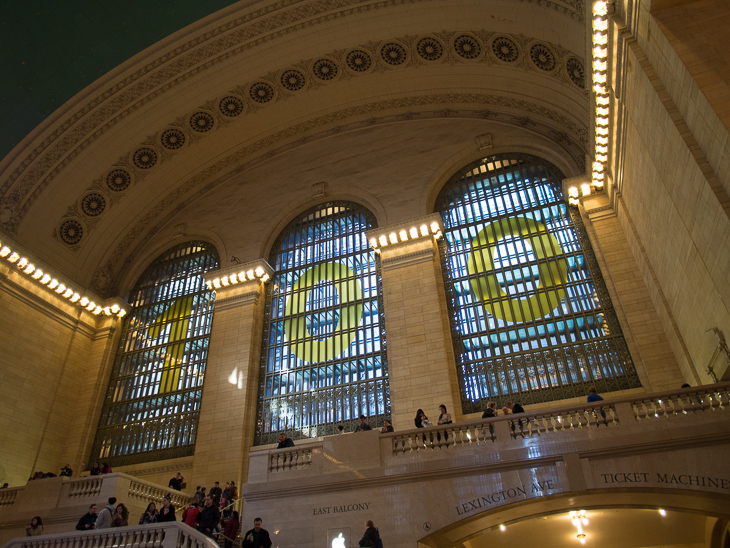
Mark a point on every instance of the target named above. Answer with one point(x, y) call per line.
point(304, 345)
point(552, 268)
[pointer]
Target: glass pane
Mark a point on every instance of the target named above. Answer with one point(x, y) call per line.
point(529, 310)
point(323, 355)
point(153, 401)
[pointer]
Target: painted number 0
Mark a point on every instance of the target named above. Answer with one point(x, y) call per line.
point(301, 341)
point(553, 270)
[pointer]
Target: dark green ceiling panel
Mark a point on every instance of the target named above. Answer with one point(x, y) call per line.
point(51, 50)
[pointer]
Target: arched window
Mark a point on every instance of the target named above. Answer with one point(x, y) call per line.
point(153, 400)
point(531, 318)
point(323, 356)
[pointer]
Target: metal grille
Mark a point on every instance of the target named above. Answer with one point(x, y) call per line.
point(323, 359)
point(530, 315)
point(153, 400)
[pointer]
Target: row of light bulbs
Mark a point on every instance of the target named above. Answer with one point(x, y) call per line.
point(240, 277)
point(45, 279)
point(603, 104)
point(403, 235)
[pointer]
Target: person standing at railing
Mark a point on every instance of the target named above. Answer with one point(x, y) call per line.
point(66, 471)
point(176, 482)
point(88, 520)
point(444, 418)
point(104, 521)
point(491, 411)
point(363, 426)
point(258, 537)
point(387, 427)
point(167, 512)
point(209, 517)
point(35, 527)
point(594, 397)
point(95, 469)
point(149, 515)
point(284, 442)
point(515, 408)
point(121, 516)
point(105, 468)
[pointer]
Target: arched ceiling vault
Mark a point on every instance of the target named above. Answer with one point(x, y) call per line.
point(291, 99)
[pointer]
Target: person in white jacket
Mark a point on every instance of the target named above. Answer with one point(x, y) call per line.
point(104, 521)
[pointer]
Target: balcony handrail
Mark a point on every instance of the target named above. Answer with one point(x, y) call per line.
point(153, 535)
point(668, 395)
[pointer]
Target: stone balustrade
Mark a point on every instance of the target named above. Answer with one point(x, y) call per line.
point(60, 499)
point(613, 415)
point(161, 535)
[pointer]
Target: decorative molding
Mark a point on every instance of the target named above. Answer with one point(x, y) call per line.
point(241, 299)
point(328, 125)
point(14, 205)
point(407, 259)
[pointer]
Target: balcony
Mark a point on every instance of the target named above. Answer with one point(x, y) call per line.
point(461, 480)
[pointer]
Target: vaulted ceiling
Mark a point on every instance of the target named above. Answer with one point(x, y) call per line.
point(229, 127)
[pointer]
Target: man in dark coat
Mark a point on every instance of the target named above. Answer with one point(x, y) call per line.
point(176, 482)
point(209, 517)
point(256, 537)
point(284, 442)
point(216, 492)
point(88, 520)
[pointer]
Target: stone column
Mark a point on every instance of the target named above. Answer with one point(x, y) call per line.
point(420, 353)
point(228, 407)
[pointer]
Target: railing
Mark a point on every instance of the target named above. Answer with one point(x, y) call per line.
point(167, 535)
point(7, 496)
point(594, 415)
point(288, 459)
point(150, 492)
point(85, 487)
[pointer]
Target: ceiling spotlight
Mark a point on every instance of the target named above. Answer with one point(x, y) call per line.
point(662, 512)
point(502, 527)
point(582, 538)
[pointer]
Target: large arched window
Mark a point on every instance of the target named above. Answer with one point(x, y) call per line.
point(153, 400)
point(323, 356)
point(531, 318)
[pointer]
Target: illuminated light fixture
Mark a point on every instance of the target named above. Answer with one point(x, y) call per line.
point(573, 192)
point(4, 251)
point(403, 235)
point(602, 121)
point(424, 230)
point(265, 278)
point(502, 527)
point(601, 149)
point(413, 232)
point(37, 274)
point(29, 269)
point(600, 89)
point(602, 157)
point(603, 100)
point(662, 512)
point(373, 242)
point(597, 182)
point(84, 301)
point(598, 166)
point(393, 237)
point(600, 65)
point(602, 111)
point(600, 52)
point(434, 227)
point(585, 189)
point(602, 140)
point(602, 131)
point(115, 308)
point(581, 537)
point(600, 24)
point(600, 7)
point(75, 297)
point(91, 306)
point(438, 235)
point(53, 284)
point(599, 77)
point(62, 288)
point(259, 271)
point(233, 278)
point(250, 274)
point(233, 377)
point(121, 313)
point(107, 311)
point(46, 278)
point(22, 262)
point(383, 240)
point(600, 39)
point(14, 257)
point(225, 282)
point(217, 283)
